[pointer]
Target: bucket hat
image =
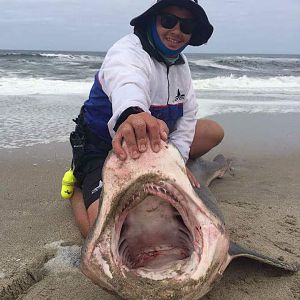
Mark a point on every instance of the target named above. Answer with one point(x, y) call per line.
point(203, 29)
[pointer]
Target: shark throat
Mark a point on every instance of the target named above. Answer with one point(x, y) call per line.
point(156, 233)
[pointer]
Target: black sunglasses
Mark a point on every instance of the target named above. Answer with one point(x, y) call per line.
point(169, 21)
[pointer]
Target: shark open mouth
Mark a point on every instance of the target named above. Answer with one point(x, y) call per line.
point(155, 232)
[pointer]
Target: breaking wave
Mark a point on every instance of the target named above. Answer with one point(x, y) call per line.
point(278, 83)
point(40, 86)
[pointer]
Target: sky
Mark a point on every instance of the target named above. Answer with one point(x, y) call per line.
point(241, 26)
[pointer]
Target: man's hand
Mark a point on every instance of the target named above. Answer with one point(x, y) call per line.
point(135, 131)
point(195, 183)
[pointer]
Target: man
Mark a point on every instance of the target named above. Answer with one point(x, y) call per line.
point(143, 91)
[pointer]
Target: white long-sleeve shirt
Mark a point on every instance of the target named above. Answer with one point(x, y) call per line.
point(130, 77)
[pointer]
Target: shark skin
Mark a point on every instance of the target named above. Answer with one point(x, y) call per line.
point(157, 237)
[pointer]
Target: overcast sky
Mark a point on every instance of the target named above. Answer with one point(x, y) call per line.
point(241, 26)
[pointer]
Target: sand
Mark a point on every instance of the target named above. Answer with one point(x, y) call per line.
point(261, 204)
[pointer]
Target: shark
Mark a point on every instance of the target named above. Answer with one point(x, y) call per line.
point(158, 237)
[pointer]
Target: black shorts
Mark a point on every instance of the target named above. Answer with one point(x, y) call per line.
point(91, 177)
point(89, 154)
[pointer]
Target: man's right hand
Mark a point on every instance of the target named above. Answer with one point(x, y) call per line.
point(135, 131)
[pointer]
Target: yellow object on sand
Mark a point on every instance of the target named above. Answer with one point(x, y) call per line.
point(67, 186)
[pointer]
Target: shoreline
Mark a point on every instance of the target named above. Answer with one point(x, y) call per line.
point(260, 203)
point(276, 133)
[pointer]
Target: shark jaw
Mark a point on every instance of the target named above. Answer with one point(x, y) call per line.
point(155, 235)
point(156, 231)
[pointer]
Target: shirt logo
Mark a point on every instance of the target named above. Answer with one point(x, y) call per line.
point(96, 189)
point(179, 97)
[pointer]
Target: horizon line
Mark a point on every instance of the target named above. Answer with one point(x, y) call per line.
point(205, 53)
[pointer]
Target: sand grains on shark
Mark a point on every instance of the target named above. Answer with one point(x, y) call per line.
point(156, 237)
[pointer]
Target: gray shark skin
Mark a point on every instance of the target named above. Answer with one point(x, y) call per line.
point(157, 237)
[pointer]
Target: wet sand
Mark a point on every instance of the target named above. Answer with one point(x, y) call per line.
point(261, 204)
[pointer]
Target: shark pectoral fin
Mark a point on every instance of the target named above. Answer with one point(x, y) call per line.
point(226, 164)
point(236, 251)
point(206, 171)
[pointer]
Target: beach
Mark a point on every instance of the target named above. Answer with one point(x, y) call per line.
point(256, 98)
point(40, 243)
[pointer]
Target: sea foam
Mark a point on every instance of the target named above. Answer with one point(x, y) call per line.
point(32, 86)
point(288, 83)
point(39, 86)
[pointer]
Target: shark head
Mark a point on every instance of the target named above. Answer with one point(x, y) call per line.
point(154, 238)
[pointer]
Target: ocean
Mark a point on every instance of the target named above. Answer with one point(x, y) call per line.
point(42, 91)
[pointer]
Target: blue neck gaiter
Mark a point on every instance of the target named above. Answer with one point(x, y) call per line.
point(159, 44)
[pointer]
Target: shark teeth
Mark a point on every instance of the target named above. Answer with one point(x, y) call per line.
point(161, 189)
point(164, 190)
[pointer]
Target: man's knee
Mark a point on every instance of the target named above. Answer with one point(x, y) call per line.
point(217, 132)
point(210, 131)
point(208, 135)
